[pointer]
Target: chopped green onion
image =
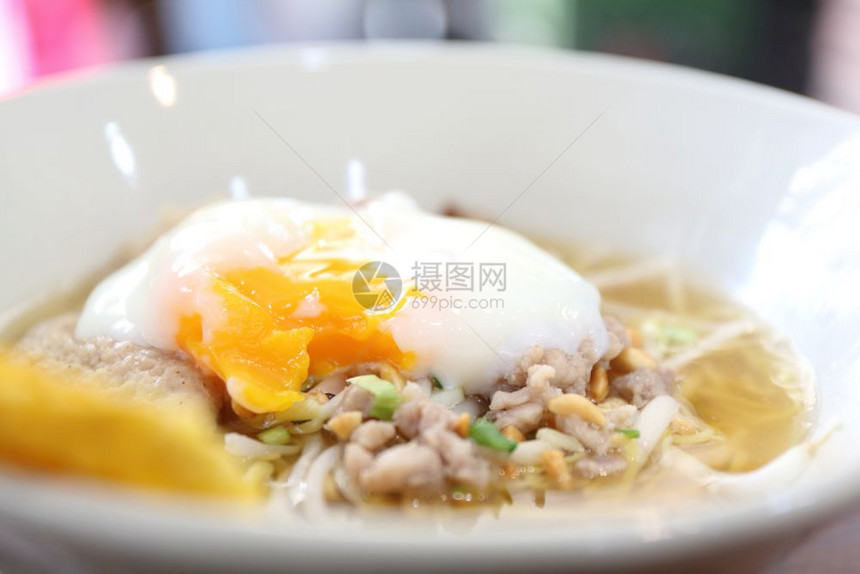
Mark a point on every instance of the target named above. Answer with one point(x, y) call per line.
point(485, 433)
point(275, 436)
point(629, 433)
point(437, 384)
point(676, 335)
point(669, 335)
point(386, 399)
point(371, 383)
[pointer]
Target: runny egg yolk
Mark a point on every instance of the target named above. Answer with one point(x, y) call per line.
point(264, 345)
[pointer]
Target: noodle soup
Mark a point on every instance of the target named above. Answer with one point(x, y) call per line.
point(672, 385)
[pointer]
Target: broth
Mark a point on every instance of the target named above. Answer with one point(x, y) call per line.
point(749, 387)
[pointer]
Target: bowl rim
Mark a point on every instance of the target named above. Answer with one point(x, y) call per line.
point(354, 51)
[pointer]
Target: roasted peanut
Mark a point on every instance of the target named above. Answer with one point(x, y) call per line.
point(632, 359)
point(513, 433)
point(343, 424)
point(573, 404)
point(598, 384)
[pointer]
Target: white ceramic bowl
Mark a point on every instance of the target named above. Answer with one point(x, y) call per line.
point(755, 190)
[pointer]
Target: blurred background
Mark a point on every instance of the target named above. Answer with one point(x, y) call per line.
point(806, 46)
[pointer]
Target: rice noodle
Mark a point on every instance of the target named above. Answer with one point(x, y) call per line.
point(700, 437)
point(627, 311)
point(777, 474)
point(712, 342)
point(322, 414)
point(245, 446)
point(291, 491)
point(448, 397)
point(653, 422)
point(676, 291)
point(470, 406)
point(560, 440)
point(314, 505)
point(632, 273)
point(424, 385)
point(312, 447)
point(344, 484)
point(285, 494)
point(529, 452)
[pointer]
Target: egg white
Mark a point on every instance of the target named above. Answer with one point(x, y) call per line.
point(544, 302)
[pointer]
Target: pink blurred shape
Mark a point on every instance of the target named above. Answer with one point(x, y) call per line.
point(65, 34)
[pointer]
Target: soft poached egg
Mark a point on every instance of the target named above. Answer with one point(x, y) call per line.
point(261, 292)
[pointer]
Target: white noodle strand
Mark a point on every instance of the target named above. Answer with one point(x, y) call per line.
point(633, 273)
point(314, 506)
point(629, 312)
point(712, 342)
point(653, 422)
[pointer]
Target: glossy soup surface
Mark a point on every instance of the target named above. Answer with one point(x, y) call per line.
point(751, 388)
